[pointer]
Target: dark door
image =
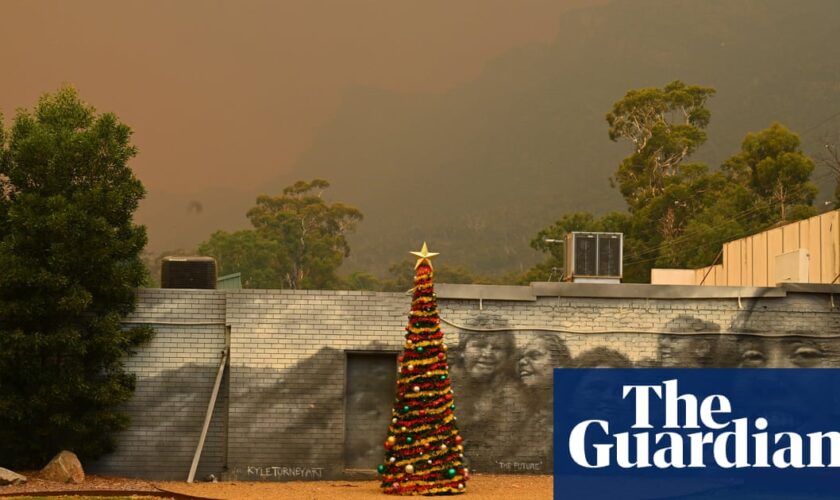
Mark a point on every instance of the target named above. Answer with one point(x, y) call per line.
point(371, 385)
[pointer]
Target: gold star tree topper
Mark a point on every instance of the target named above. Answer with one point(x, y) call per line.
point(424, 254)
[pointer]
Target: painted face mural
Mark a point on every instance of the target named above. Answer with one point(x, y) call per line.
point(767, 352)
point(534, 366)
point(503, 387)
point(512, 371)
point(485, 356)
point(602, 357)
point(539, 354)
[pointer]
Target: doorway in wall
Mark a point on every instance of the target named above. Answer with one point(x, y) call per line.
point(369, 396)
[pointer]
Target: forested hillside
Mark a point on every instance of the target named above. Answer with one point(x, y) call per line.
point(509, 152)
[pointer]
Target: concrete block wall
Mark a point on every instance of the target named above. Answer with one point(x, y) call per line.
point(288, 376)
point(617, 329)
point(175, 373)
point(282, 415)
point(631, 326)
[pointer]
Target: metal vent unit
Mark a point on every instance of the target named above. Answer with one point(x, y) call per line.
point(188, 272)
point(594, 257)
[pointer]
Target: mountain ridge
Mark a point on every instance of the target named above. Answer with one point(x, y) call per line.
point(476, 170)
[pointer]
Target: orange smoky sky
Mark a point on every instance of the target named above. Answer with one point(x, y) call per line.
point(231, 93)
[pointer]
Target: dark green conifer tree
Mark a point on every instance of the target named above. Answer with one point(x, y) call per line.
point(70, 260)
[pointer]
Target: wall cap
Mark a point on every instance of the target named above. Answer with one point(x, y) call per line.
point(484, 292)
point(622, 291)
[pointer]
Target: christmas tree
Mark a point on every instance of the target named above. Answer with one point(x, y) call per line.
point(423, 452)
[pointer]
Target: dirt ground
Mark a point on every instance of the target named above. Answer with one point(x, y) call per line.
point(480, 487)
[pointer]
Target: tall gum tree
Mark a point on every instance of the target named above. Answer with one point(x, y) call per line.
point(680, 213)
point(665, 125)
point(299, 240)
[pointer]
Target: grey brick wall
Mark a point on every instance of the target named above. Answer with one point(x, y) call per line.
point(281, 414)
point(175, 375)
point(288, 379)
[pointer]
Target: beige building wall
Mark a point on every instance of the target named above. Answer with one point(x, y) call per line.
point(673, 276)
point(766, 258)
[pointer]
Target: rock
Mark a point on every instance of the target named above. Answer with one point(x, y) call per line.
point(64, 468)
point(8, 477)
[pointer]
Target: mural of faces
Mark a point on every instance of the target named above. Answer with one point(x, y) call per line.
point(747, 351)
point(510, 371)
point(693, 344)
point(534, 365)
point(538, 355)
point(486, 355)
point(514, 370)
point(770, 352)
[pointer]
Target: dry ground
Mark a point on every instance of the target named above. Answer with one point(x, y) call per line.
point(480, 487)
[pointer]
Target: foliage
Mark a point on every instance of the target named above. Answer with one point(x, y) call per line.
point(361, 280)
point(665, 126)
point(831, 159)
point(766, 184)
point(772, 165)
point(70, 256)
point(402, 276)
point(298, 240)
point(657, 230)
point(261, 260)
point(533, 122)
point(679, 214)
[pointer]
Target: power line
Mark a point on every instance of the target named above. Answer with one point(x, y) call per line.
point(820, 124)
point(715, 242)
point(687, 236)
point(691, 235)
point(744, 213)
point(607, 198)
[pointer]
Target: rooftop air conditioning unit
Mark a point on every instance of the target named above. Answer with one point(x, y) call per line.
point(188, 272)
point(594, 257)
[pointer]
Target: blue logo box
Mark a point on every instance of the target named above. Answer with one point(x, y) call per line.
point(696, 433)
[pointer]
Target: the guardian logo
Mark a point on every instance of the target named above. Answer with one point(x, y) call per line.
point(727, 440)
point(697, 433)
